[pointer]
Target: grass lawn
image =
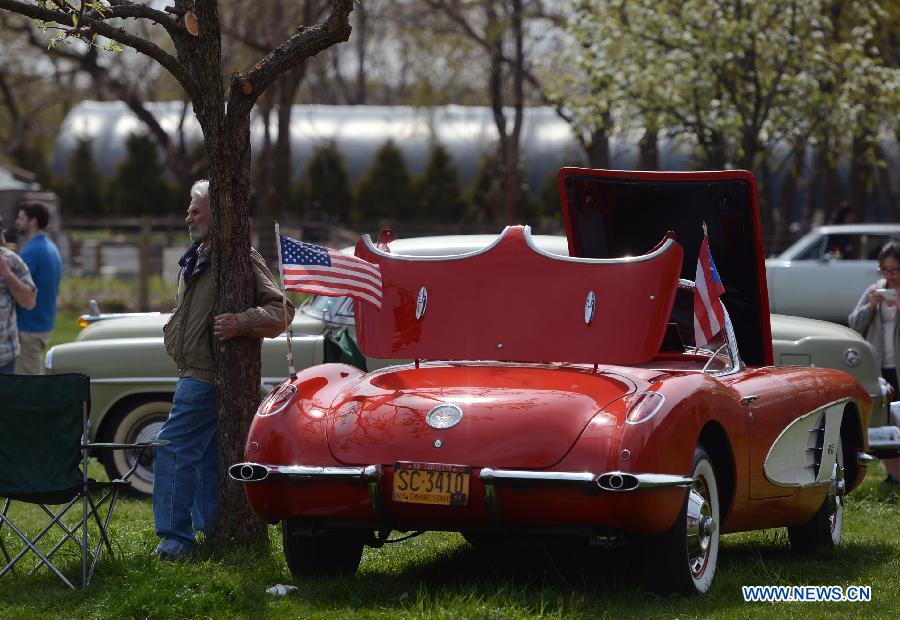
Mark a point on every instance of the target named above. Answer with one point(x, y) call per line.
point(439, 575)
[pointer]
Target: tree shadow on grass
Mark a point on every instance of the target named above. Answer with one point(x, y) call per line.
point(593, 581)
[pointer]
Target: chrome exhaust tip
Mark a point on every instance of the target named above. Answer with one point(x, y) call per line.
point(617, 481)
point(248, 472)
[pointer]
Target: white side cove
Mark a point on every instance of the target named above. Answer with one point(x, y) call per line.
point(791, 461)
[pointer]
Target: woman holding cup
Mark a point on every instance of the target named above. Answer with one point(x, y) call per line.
point(877, 319)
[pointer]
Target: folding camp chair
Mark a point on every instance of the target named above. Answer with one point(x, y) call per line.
point(44, 451)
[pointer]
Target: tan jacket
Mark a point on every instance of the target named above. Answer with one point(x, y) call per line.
point(189, 334)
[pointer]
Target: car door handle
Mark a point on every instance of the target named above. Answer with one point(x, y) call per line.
point(747, 400)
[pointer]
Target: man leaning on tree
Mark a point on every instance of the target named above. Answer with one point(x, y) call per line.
point(42, 257)
point(186, 472)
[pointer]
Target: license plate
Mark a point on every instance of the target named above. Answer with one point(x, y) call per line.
point(431, 483)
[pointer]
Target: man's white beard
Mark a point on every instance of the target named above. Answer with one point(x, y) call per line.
point(198, 234)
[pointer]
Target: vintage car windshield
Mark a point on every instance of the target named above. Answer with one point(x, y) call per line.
point(331, 310)
point(808, 247)
point(845, 245)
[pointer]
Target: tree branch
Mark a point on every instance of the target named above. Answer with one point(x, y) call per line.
point(307, 42)
point(125, 8)
point(110, 32)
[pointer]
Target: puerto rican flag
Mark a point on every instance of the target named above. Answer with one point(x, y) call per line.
point(318, 270)
point(709, 315)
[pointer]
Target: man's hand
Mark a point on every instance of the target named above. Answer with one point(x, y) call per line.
point(226, 327)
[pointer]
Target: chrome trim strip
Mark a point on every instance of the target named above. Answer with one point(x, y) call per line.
point(662, 249)
point(625, 482)
point(367, 240)
point(661, 481)
point(489, 475)
point(369, 473)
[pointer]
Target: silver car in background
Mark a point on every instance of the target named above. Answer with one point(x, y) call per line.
point(824, 273)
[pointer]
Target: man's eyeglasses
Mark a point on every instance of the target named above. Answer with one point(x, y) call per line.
point(889, 272)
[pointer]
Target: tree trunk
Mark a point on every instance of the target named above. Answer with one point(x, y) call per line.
point(265, 199)
point(648, 159)
point(860, 175)
point(238, 361)
point(598, 148)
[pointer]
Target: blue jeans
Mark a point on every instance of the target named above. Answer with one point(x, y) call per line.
point(186, 472)
point(9, 369)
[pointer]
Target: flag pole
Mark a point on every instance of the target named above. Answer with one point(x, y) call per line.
point(287, 328)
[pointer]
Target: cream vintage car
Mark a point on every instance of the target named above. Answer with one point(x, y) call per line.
point(133, 380)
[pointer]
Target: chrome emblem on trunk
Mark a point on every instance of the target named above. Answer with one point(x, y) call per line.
point(590, 305)
point(421, 303)
point(444, 416)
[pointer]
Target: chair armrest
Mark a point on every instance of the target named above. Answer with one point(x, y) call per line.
point(128, 446)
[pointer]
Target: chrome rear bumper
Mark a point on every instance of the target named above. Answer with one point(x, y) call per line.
point(616, 481)
point(256, 472)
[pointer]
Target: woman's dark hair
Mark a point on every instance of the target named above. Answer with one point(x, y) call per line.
point(891, 249)
point(842, 214)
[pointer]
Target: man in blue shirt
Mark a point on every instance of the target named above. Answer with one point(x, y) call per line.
point(42, 257)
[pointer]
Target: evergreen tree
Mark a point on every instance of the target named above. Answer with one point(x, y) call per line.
point(385, 191)
point(547, 207)
point(486, 192)
point(327, 182)
point(79, 190)
point(139, 186)
point(437, 188)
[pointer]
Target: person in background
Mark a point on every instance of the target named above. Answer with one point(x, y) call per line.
point(16, 287)
point(842, 246)
point(42, 257)
point(186, 470)
point(875, 317)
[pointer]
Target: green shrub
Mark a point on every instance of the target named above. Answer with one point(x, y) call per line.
point(385, 191)
point(327, 183)
point(79, 189)
point(139, 186)
point(437, 188)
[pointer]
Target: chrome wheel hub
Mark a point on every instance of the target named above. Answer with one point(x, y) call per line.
point(836, 493)
point(700, 526)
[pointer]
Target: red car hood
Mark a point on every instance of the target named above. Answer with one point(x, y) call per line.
point(513, 416)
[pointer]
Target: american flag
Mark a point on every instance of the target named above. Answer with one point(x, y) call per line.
point(709, 315)
point(314, 269)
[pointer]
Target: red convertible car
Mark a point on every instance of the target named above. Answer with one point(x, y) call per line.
point(564, 397)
